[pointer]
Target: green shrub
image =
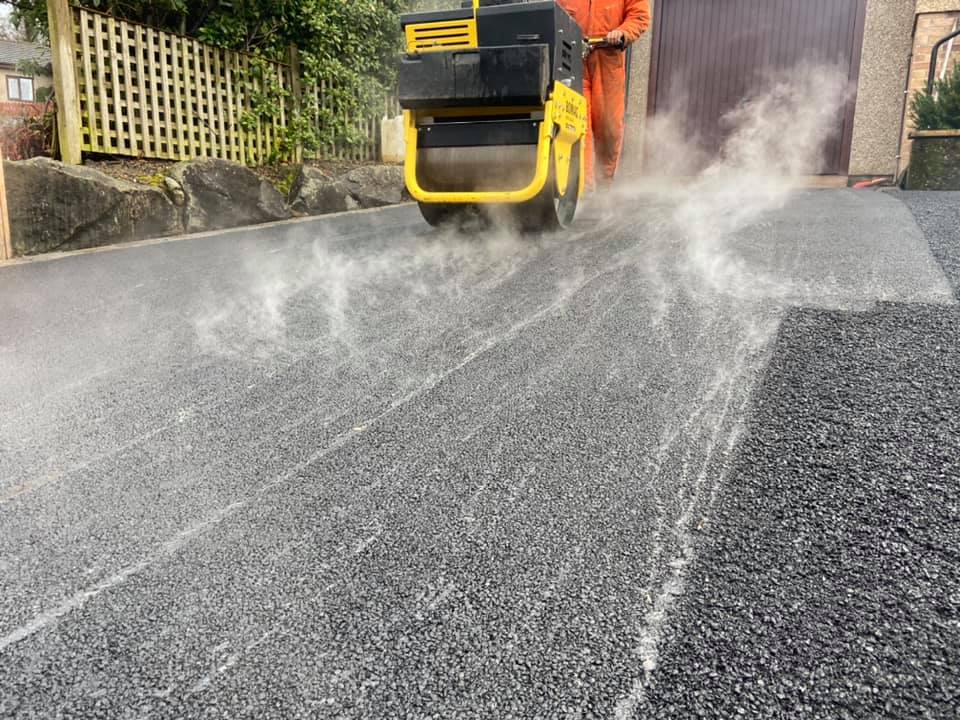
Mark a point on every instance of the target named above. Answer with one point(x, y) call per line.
point(939, 110)
point(351, 45)
point(285, 184)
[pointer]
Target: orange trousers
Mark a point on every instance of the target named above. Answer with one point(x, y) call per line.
point(605, 87)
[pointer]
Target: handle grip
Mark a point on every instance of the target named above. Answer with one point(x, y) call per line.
point(600, 43)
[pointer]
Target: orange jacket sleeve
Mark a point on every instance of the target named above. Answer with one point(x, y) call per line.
point(637, 19)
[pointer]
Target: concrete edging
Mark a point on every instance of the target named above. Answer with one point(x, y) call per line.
point(935, 134)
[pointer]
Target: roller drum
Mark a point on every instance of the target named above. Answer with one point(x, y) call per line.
point(476, 169)
point(483, 168)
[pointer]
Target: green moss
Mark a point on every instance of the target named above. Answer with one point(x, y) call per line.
point(285, 184)
point(156, 180)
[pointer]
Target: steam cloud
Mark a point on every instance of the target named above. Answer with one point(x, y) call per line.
point(775, 138)
point(338, 284)
point(682, 251)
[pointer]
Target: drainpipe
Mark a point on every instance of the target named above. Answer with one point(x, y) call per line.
point(906, 97)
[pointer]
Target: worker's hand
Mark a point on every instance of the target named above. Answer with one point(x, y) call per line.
point(617, 37)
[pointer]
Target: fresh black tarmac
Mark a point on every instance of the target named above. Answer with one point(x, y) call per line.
point(356, 468)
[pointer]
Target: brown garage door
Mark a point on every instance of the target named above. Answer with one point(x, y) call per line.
point(710, 52)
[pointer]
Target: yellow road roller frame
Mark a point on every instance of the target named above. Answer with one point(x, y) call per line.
point(564, 125)
point(443, 35)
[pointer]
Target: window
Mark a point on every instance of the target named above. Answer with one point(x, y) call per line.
point(20, 88)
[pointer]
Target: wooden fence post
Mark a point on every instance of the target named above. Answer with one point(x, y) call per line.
point(296, 89)
point(62, 50)
point(6, 242)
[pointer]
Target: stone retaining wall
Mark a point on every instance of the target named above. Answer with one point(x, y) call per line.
point(56, 207)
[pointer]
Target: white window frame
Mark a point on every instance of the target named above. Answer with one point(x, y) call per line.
point(17, 82)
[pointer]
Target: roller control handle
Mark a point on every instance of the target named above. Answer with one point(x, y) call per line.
point(600, 43)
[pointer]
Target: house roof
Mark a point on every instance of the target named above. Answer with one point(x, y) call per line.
point(13, 52)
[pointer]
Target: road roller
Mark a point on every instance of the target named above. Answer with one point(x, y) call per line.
point(494, 112)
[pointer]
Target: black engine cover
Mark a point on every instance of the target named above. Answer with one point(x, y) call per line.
point(524, 47)
point(518, 75)
point(533, 23)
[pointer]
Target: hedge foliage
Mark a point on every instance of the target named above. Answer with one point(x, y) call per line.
point(353, 43)
point(939, 110)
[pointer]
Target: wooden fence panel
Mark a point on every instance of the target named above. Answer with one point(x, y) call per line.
point(142, 117)
point(153, 94)
point(87, 89)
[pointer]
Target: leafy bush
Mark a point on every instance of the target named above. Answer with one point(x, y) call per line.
point(352, 45)
point(939, 110)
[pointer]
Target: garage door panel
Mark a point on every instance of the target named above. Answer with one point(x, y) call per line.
point(710, 54)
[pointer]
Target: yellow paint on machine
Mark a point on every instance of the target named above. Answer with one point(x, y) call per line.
point(570, 117)
point(564, 125)
point(443, 35)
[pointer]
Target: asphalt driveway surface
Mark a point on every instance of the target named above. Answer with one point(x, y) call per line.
point(356, 468)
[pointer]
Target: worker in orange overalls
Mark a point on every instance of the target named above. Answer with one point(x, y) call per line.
point(605, 75)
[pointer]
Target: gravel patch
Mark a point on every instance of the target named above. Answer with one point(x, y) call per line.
point(828, 583)
point(938, 215)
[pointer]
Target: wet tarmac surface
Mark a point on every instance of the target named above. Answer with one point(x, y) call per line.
point(358, 468)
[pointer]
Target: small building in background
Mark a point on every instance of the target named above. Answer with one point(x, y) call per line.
point(26, 76)
point(26, 86)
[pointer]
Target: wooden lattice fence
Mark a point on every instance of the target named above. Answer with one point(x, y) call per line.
point(367, 126)
point(143, 92)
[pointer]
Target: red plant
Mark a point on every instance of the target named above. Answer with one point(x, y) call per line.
point(26, 129)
